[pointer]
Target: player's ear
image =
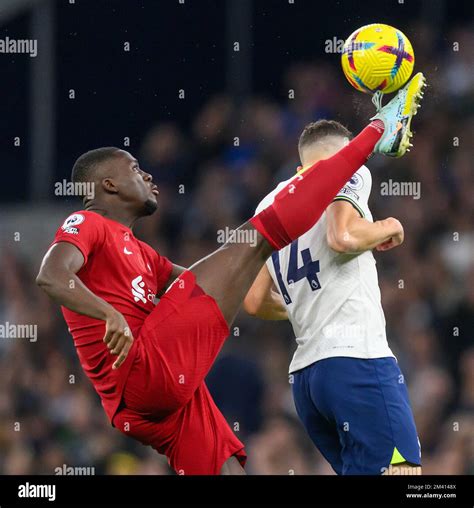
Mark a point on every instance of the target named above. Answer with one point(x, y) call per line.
point(109, 186)
point(299, 168)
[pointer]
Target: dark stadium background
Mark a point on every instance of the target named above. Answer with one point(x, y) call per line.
point(430, 322)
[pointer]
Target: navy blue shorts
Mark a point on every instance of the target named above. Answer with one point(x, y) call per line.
point(357, 413)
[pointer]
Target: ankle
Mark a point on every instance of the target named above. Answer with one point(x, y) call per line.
point(378, 125)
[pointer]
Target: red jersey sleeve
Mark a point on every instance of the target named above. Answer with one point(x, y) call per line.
point(163, 269)
point(83, 229)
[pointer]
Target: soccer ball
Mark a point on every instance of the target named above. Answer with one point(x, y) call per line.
point(377, 57)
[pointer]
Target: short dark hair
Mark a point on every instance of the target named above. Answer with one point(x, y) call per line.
point(316, 130)
point(85, 166)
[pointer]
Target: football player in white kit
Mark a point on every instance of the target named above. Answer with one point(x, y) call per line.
point(348, 389)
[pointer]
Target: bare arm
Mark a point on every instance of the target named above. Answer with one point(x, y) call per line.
point(57, 277)
point(263, 301)
point(349, 233)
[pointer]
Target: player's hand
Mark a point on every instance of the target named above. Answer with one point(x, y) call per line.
point(396, 239)
point(118, 337)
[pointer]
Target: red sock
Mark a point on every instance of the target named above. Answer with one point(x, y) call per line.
point(299, 205)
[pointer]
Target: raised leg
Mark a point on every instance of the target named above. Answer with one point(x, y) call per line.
point(228, 273)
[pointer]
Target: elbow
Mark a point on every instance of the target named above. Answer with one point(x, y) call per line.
point(342, 243)
point(42, 279)
point(251, 306)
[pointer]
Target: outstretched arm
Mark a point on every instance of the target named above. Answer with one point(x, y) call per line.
point(57, 277)
point(263, 301)
point(349, 233)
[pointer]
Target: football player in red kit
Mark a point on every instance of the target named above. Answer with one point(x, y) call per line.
point(148, 362)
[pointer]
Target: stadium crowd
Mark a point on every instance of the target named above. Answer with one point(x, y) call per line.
point(211, 176)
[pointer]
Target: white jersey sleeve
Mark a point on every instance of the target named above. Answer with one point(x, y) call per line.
point(357, 192)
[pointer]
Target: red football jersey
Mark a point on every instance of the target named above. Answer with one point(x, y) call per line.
point(125, 272)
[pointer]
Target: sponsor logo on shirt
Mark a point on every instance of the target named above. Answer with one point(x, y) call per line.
point(138, 291)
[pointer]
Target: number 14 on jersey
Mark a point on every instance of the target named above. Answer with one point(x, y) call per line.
point(308, 271)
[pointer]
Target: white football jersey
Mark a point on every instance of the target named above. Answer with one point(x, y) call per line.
point(333, 299)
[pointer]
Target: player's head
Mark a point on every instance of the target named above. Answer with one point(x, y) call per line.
point(116, 179)
point(320, 140)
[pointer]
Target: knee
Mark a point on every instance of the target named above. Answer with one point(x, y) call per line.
point(232, 467)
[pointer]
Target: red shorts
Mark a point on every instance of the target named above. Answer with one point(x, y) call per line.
point(166, 403)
